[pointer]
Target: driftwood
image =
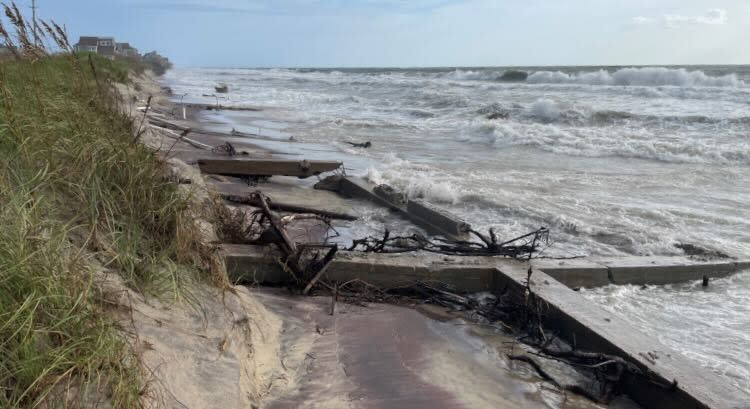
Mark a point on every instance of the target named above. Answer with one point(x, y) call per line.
point(522, 246)
point(269, 227)
point(326, 262)
point(289, 207)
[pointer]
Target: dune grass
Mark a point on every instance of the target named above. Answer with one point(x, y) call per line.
point(78, 196)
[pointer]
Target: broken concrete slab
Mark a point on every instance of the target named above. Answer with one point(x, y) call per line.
point(267, 167)
point(384, 270)
point(249, 264)
point(575, 273)
point(664, 270)
point(570, 315)
point(601, 271)
point(287, 195)
point(680, 383)
point(423, 214)
point(437, 217)
point(290, 207)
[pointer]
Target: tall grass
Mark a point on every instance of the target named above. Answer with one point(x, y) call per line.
point(77, 196)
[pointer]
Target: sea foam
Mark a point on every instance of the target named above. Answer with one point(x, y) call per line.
point(646, 76)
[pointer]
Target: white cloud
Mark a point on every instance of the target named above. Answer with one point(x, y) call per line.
point(711, 17)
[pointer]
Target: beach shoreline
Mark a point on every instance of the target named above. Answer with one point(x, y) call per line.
point(212, 137)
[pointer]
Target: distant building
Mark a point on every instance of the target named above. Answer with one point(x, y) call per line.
point(87, 45)
point(105, 41)
point(126, 50)
point(106, 51)
point(105, 46)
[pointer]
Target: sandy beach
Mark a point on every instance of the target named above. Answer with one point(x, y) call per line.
point(376, 356)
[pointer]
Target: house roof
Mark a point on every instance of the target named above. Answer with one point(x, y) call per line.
point(106, 50)
point(124, 46)
point(88, 41)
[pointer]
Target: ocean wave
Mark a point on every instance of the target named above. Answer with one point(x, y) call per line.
point(415, 181)
point(418, 113)
point(639, 143)
point(486, 75)
point(646, 76)
point(365, 124)
point(545, 110)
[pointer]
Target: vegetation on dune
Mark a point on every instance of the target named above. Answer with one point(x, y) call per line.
point(156, 62)
point(78, 196)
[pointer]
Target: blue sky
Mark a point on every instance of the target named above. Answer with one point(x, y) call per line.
point(339, 33)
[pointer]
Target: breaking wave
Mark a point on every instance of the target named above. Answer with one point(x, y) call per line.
point(417, 182)
point(647, 76)
point(546, 111)
point(485, 75)
point(637, 143)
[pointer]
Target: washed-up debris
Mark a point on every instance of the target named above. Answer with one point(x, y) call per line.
point(701, 252)
point(360, 145)
point(303, 261)
point(519, 247)
point(292, 208)
point(222, 88)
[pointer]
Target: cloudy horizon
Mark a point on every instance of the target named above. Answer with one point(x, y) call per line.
point(418, 33)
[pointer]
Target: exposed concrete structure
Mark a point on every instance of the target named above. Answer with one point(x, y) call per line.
point(679, 383)
point(575, 319)
point(599, 271)
point(421, 213)
point(267, 167)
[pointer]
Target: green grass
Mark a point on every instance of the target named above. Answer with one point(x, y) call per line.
point(78, 195)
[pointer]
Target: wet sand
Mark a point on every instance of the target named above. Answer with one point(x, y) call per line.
point(385, 356)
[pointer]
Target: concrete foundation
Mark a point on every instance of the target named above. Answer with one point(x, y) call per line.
point(677, 383)
point(600, 271)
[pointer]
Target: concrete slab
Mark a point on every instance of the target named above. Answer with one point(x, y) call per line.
point(267, 167)
point(245, 262)
point(575, 273)
point(435, 216)
point(253, 265)
point(586, 325)
point(290, 197)
point(425, 215)
point(282, 191)
point(664, 270)
point(570, 315)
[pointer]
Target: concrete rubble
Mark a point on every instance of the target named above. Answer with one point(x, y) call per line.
point(674, 381)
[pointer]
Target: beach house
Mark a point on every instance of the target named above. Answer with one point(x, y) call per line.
point(105, 46)
point(87, 44)
point(125, 50)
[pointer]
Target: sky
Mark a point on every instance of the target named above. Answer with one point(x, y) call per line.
point(417, 33)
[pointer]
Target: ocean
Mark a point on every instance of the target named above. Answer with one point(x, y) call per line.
point(614, 161)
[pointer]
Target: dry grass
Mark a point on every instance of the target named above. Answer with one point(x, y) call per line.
point(76, 191)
